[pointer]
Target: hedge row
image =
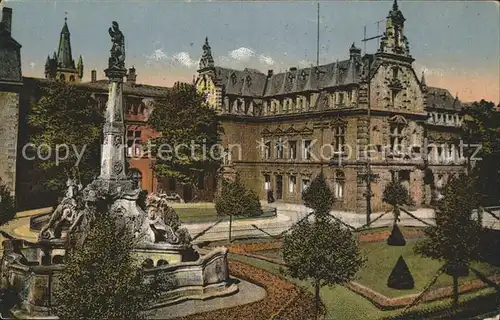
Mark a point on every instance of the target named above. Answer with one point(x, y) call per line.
point(384, 303)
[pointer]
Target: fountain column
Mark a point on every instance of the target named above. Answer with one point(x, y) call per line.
point(113, 149)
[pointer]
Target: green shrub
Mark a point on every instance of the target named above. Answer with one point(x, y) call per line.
point(235, 199)
point(396, 237)
point(7, 205)
point(400, 277)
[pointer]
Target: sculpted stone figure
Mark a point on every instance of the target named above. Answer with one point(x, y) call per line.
point(117, 59)
point(64, 214)
point(164, 221)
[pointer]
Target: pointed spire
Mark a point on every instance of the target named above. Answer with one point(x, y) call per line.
point(206, 61)
point(395, 5)
point(422, 79)
point(64, 57)
point(79, 67)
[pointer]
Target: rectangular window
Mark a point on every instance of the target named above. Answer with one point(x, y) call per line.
point(293, 149)
point(292, 181)
point(341, 98)
point(339, 138)
point(267, 150)
point(305, 184)
point(306, 150)
point(396, 138)
point(267, 182)
point(279, 149)
point(279, 187)
point(339, 189)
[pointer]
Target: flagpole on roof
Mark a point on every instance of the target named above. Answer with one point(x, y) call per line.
point(317, 40)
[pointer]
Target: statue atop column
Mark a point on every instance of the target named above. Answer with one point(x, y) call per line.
point(117, 59)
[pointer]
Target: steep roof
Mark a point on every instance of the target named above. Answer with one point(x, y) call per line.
point(440, 98)
point(64, 57)
point(248, 82)
point(143, 90)
point(128, 88)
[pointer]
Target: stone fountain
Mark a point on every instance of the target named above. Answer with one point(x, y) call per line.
point(164, 249)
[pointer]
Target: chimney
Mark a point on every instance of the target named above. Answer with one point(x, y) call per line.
point(131, 76)
point(7, 19)
point(93, 76)
point(270, 73)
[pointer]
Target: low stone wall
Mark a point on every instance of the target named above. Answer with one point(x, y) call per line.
point(208, 277)
point(203, 278)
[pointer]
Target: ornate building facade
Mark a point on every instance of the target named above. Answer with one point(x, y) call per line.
point(282, 129)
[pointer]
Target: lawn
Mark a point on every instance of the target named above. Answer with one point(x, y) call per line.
point(205, 212)
point(381, 258)
point(341, 303)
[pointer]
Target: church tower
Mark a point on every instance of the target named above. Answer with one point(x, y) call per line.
point(394, 41)
point(61, 66)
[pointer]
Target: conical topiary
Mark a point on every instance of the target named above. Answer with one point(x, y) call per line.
point(400, 277)
point(396, 237)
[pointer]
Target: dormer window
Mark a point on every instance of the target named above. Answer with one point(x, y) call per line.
point(249, 81)
point(233, 78)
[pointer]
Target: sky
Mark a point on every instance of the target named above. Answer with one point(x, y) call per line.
point(456, 43)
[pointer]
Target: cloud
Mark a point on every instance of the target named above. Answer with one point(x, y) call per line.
point(158, 56)
point(242, 54)
point(266, 59)
point(184, 59)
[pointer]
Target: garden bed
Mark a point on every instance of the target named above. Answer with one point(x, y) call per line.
point(371, 282)
point(284, 300)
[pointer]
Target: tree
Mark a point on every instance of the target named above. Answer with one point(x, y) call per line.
point(455, 236)
point(321, 251)
point(235, 199)
point(64, 115)
point(7, 205)
point(101, 278)
point(482, 126)
point(190, 132)
point(396, 194)
point(318, 196)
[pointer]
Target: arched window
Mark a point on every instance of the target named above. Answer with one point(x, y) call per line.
point(339, 185)
point(161, 263)
point(62, 77)
point(72, 78)
point(147, 264)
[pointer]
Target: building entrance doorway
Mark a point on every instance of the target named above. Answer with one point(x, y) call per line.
point(279, 187)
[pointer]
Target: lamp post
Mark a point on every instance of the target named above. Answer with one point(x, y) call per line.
point(368, 176)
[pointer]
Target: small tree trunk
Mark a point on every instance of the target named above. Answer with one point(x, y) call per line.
point(318, 300)
point(230, 226)
point(455, 291)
